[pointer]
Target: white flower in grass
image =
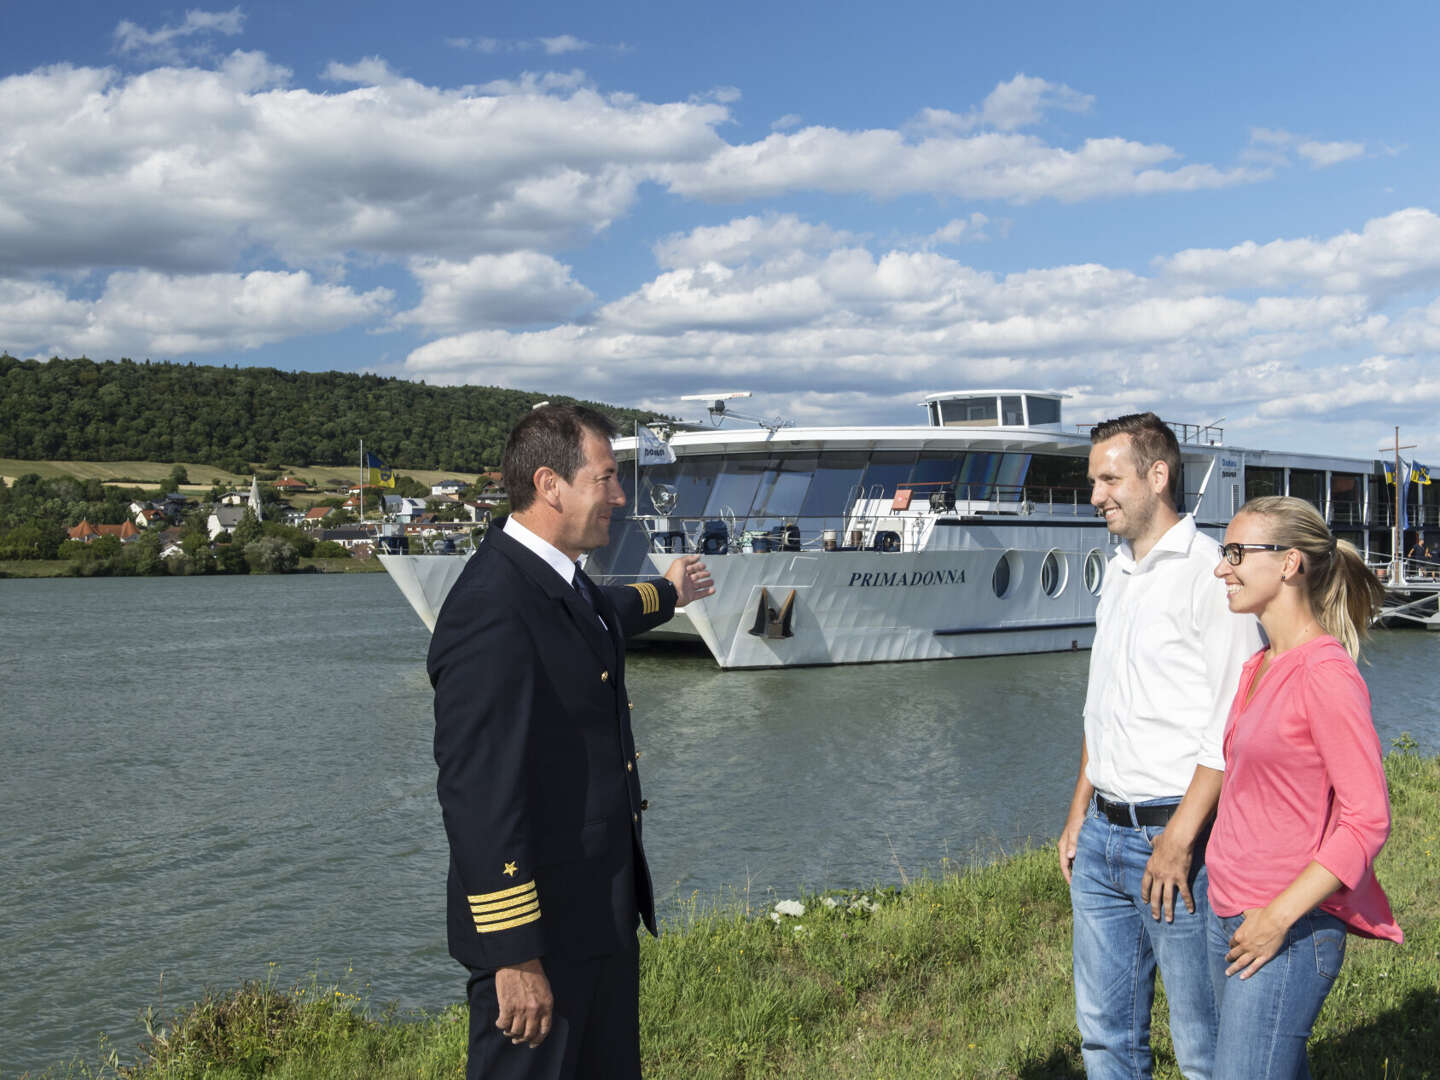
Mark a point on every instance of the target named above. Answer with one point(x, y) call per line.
point(774, 916)
point(831, 903)
point(799, 930)
point(790, 907)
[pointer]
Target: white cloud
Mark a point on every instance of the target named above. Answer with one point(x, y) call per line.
point(734, 305)
point(564, 43)
point(1323, 154)
point(1021, 102)
point(786, 122)
point(1017, 168)
point(1391, 254)
point(152, 314)
point(969, 230)
point(170, 44)
point(515, 289)
point(748, 239)
point(1273, 146)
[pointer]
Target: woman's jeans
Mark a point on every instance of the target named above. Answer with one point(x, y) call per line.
point(1265, 1020)
point(1118, 945)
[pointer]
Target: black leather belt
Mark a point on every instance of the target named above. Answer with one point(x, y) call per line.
point(1119, 813)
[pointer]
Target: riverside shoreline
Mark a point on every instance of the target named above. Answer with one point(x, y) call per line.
point(963, 972)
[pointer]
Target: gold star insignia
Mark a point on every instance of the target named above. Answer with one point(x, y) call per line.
point(509, 870)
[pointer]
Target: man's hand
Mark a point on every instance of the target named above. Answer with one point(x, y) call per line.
point(1068, 843)
point(526, 1004)
point(1167, 873)
point(1257, 939)
point(690, 578)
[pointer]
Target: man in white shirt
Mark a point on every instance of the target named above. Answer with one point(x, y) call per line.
point(1163, 670)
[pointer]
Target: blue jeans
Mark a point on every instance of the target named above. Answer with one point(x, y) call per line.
point(1265, 1020)
point(1118, 944)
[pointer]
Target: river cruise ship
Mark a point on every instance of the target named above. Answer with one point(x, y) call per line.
point(969, 535)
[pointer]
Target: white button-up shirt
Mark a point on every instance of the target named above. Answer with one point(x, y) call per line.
point(561, 563)
point(1164, 668)
point(558, 561)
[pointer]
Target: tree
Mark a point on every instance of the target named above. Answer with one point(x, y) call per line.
point(230, 559)
point(178, 475)
point(271, 555)
point(331, 549)
point(249, 529)
point(143, 556)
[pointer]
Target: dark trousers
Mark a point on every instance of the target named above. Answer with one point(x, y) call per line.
point(595, 1031)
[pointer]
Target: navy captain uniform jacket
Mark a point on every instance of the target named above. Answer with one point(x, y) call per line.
point(538, 780)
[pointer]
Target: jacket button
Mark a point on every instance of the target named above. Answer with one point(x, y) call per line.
point(644, 804)
point(631, 704)
point(635, 817)
point(637, 755)
point(604, 676)
point(629, 766)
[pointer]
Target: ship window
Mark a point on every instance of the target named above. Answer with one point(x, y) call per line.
point(936, 470)
point(977, 475)
point(1053, 573)
point(1010, 479)
point(1094, 572)
point(835, 486)
point(1260, 481)
point(784, 485)
point(1010, 414)
point(1309, 484)
point(735, 487)
point(969, 412)
point(1043, 410)
point(1000, 580)
point(1059, 480)
point(1346, 499)
point(888, 470)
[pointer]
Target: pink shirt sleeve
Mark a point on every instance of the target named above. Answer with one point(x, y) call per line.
point(1337, 706)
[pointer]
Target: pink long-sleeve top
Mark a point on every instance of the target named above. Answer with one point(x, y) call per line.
point(1303, 782)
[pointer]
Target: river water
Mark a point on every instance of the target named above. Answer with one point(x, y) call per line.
point(209, 780)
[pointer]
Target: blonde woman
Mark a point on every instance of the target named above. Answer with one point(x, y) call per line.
point(1304, 809)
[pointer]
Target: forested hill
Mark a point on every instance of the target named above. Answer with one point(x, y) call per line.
point(80, 410)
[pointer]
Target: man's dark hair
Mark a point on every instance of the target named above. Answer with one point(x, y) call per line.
point(553, 436)
point(1151, 440)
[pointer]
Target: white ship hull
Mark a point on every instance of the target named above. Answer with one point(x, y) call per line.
point(868, 607)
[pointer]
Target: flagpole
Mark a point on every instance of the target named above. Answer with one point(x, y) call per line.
point(362, 481)
point(636, 512)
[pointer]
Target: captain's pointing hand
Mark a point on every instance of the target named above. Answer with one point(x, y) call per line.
point(690, 578)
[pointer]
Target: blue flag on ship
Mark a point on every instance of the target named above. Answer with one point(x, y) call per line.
point(1401, 490)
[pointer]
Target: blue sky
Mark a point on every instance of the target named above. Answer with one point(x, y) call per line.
point(1221, 212)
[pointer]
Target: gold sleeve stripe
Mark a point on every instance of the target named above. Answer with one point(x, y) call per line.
point(485, 898)
point(649, 596)
point(512, 912)
point(501, 905)
point(534, 916)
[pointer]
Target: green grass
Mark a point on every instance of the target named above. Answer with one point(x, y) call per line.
point(963, 974)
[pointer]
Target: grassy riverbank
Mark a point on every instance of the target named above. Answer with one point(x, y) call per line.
point(961, 974)
point(62, 568)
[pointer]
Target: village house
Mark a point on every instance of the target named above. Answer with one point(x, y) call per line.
point(315, 515)
point(223, 519)
point(126, 531)
point(448, 488)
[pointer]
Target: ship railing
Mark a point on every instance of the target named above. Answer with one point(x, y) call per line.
point(879, 518)
point(1185, 433)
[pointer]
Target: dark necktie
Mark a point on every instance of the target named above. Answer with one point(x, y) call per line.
point(586, 590)
point(582, 586)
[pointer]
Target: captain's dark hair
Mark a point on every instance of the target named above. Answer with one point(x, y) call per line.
point(551, 436)
point(1151, 440)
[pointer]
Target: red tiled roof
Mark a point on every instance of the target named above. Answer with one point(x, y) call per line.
point(83, 531)
point(315, 513)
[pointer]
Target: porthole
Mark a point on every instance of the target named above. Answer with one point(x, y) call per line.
point(1054, 572)
point(1004, 575)
point(1094, 572)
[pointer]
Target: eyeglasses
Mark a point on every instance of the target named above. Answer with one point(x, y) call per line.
point(1235, 553)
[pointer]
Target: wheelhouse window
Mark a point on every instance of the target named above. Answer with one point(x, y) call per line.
point(970, 412)
point(1043, 410)
point(1011, 413)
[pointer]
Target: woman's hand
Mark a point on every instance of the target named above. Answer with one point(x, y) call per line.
point(1258, 938)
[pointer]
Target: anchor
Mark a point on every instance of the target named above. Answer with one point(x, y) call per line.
point(770, 623)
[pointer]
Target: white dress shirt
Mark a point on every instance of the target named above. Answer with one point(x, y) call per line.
point(561, 563)
point(558, 561)
point(1164, 668)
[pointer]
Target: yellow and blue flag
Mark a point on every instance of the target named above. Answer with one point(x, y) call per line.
point(1420, 473)
point(1389, 472)
point(381, 475)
